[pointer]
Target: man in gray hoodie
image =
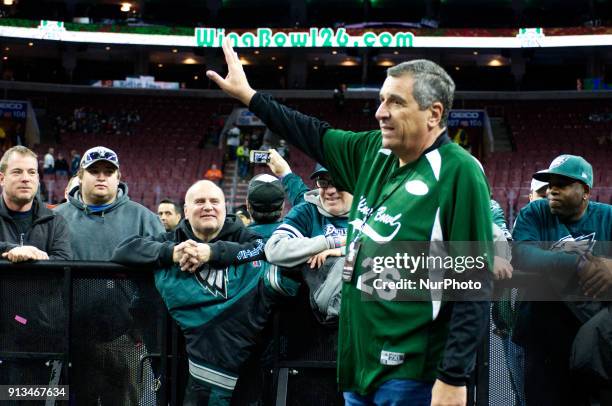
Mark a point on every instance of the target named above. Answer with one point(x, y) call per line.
point(100, 215)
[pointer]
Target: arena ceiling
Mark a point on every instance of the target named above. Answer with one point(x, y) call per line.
point(288, 13)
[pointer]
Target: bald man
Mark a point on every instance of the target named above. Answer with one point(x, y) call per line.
point(207, 236)
point(212, 278)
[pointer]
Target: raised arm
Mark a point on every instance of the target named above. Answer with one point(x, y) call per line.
point(235, 83)
point(293, 184)
point(302, 131)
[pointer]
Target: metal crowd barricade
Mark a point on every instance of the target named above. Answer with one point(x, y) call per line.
point(91, 324)
point(87, 325)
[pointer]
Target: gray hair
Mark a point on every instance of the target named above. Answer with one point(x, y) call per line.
point(431, 84)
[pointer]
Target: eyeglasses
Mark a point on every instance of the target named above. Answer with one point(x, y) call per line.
point(99, 154)
point(324, 183)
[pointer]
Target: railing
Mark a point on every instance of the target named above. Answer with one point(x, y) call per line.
point(86, 321)
point(94, 325)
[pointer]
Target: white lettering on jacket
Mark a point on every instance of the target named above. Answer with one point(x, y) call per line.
point(381, 216)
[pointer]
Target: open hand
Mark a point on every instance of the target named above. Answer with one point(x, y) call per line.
point(502, 268)
point(317, 260)
point(235, 83)
point(443, 394)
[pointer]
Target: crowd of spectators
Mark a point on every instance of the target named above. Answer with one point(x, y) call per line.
point(415, 185)
point(251, 139)
point(88, 120)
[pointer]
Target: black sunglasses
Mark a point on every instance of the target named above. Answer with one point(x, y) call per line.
point(324, 183)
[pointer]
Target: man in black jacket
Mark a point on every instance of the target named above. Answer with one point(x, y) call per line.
point(207, 235)
point(208, 272)
point(29, 231)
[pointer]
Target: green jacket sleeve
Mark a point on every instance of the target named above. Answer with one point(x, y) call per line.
point(295, 188)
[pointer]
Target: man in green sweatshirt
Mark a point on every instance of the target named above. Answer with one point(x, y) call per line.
point(410, 183)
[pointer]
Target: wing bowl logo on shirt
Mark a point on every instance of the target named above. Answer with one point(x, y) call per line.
point(381, 216)
point(213, 280)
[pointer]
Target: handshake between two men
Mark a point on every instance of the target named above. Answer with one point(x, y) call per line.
point(190, 255)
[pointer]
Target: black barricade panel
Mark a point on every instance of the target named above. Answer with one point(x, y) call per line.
point(302, 337)
point(115, 324)
point(309, 387)
point(307, 350)
point(33, 312)
point(506, 359)
point(35, 372)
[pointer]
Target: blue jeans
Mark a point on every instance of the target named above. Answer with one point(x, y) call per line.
point(515, 362)
point(396, 392)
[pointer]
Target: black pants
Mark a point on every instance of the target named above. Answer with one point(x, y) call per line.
point(548, 382)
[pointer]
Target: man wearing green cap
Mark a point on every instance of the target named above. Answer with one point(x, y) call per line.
point(564, 229)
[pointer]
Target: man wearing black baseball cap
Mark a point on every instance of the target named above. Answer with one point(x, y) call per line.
point(319, 170)
point(564, 230)
point(265, 203)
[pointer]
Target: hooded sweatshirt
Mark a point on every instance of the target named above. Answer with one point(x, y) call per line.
point(307, 230)
point(95, 235)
